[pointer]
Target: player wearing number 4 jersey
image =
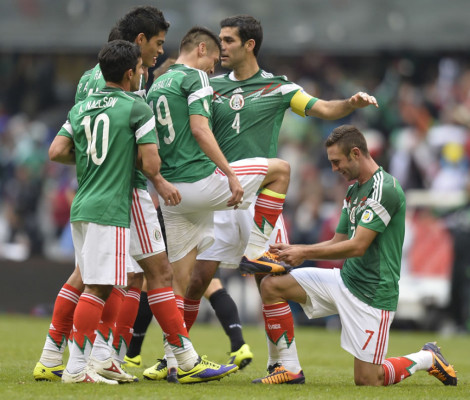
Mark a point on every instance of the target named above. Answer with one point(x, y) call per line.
point(193, 162)
point(365, 291)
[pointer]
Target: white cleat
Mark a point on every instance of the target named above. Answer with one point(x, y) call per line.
point(88, 375)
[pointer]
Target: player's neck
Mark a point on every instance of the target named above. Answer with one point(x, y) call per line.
point(121, 85)
point(246, 70)
point(370, 168)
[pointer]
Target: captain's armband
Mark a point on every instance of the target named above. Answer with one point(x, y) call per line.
point(302, 101)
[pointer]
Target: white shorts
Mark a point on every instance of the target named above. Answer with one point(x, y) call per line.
point(146, 233)
point(190, 224)
point(365, 329)
point(101, 252)
point(232, 230)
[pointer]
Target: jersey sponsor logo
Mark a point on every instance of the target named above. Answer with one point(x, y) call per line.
point(238, 90)
point(367, 216)
point(237, 101)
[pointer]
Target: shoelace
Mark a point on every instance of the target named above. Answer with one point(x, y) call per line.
point(208, 363)
point(270, 256)
point(162, 363)
point(279, 375)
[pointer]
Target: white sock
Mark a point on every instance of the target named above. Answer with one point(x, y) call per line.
point(423, 360)
point(101, 349)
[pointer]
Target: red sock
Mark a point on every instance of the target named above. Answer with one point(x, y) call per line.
point(278, 322)
point(396, 369)
point(126, 318)
point(191, 309)
point(86, 318)
point(180, 304)
point(107, 324)
point(268, 207)
point(62, 316)
point(163, 305)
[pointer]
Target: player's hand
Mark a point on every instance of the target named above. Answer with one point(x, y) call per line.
point(168, 192)
point(362, 99)
point(237, 192)
point(290, 254)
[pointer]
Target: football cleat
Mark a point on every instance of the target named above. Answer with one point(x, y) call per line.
point(242, 357)
point(157, 372)
point(110, 369)
point(88, 375)
point(440, 368)
point(267, 263)
point(133, 362)
point(172, 375)
point(204, 371)
point(43, 373)
point(272, 367)
point(281, 375)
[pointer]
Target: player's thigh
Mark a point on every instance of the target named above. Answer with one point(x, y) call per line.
point(365, 330)
point(276, 287)
point(146, 232)
point(102, 253)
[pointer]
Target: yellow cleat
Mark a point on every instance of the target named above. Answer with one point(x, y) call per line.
point(157, 372)
point(205, 371)
point(43, 373)
point(134, 362)
point(440, 368)
point(242, 357)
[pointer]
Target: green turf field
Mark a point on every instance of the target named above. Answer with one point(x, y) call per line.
point(328, 368)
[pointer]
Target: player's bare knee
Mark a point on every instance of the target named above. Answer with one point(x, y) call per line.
point(268, 289)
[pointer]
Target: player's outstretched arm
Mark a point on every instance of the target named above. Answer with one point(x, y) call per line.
point(335, 109)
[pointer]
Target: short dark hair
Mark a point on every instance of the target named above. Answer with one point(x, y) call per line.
point(117, 57)
point(143, 19)
point(347, 137)
point(196, 35)
point(248, 28)
point(114, 34)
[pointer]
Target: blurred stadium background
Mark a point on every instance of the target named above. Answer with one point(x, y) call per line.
point(412, 55)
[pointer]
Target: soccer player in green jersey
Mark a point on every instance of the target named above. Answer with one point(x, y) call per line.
point(105, 135)
point(248, 108)
point(364, 292)
point(147, 27)
point(193, 162)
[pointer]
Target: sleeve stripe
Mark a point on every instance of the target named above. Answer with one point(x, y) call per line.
point(204, 78)
point(200, 94)
point(68, 127)
point(380, 210)
point(146, 128)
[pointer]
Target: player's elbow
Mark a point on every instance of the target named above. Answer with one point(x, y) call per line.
point(54, 154)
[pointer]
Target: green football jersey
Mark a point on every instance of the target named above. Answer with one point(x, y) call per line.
point(378, 204)
point(247, 115)
point(93, 81)
point(180, 92)
point(106, 128)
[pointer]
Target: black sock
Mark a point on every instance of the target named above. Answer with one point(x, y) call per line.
point(141, 324)
point(227, 313)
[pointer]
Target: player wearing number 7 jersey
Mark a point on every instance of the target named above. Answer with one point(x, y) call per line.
point(364, 292)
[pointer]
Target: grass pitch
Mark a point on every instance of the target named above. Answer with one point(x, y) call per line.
point(328, 368)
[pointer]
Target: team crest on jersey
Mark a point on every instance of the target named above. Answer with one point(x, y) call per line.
point(367, 216)
point(157, 234)
point(237, 101)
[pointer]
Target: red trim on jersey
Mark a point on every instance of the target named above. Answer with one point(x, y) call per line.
point(382, 337)
point(137, 212)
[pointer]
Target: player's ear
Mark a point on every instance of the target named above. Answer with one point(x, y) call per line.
point(202, 49)
point(139, 39)
point(250, 44)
